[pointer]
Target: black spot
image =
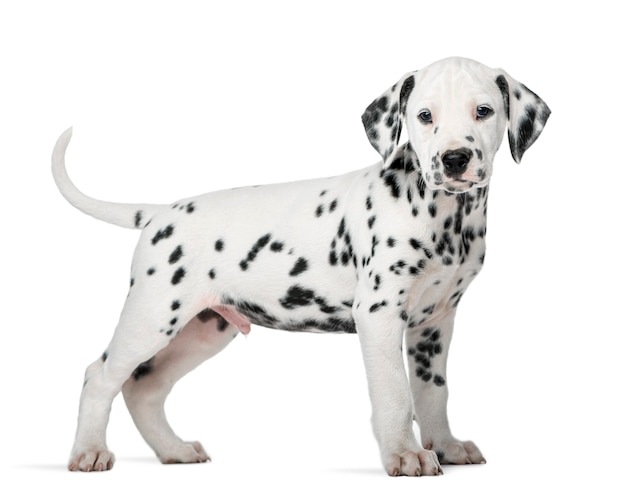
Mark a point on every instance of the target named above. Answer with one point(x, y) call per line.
point(525, 131)
point(206, 315)
point(151, 271)
point(469, 138)
point(173, 321)
point(391, 242)
point(368, 203)
point(297, 296)
point(409, 194)
point(190, 207)
point(143, 369)
point(138, 217)
point(178, 276)
point(330, 325)
point(175, 305)
point(332, 258)
point(176, 255)
point(301, 266)
point(333, 206)
point(397, 164)
point(342, 227)
point(254, 312)
point(456, 297)
point(169, 332)
point(428, 348)
point(132, 282)
point(420, 358)
point(375, 243)
point(429, 309)
point(219, 245)
point(424, 374)
point(397, 267)
point(439, 380)
point(375, 307)
point(405, 92)
point(319, 211)
point(222, 324)
point(163, 234)
point(254, 251)
point(370, 221)
point(432, 209)
point(212, 273)
point(377, 281)
point(503, 85)
point(415, 270)
point(276, 247)
point(325, 307)
point(105, 356)
point(373, 114)
point(391, 181)
point(415, 244)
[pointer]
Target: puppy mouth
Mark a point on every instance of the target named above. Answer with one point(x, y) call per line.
point(460, 185)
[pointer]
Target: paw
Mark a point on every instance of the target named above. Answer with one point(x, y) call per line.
point(92, 460)
point(413, 464)
point(456, 452)
point(185, 452)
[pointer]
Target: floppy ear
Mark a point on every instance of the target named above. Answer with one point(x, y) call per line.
point(526, 112)
point(383, 117)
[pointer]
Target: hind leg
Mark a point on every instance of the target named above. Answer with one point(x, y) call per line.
point(103, 381)
point(146, 390)
point(146, 327)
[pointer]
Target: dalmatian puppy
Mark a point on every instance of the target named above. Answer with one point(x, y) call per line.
point(385, 252)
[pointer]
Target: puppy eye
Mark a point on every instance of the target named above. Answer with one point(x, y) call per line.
point(483, 112)
point(425, 116)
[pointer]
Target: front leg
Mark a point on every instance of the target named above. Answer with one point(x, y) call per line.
point(427, 353)
point(380, 328)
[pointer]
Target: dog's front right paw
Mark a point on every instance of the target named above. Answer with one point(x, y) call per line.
point(413, 464)
point(91, 460)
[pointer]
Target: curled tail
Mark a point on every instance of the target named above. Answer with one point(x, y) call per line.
point(132, 216)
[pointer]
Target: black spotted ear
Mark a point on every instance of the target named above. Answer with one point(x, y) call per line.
point(526, 112)
point(383, 117)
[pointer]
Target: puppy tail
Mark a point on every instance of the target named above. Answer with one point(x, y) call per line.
point(132, 216)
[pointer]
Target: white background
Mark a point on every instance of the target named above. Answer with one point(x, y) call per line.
point(171, 99)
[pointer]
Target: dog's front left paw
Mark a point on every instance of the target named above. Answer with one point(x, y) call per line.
point(185, 452)
point(455, 452)
point(91, 460)
point(413, 464)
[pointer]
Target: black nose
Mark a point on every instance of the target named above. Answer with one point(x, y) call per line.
point(455, 161)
